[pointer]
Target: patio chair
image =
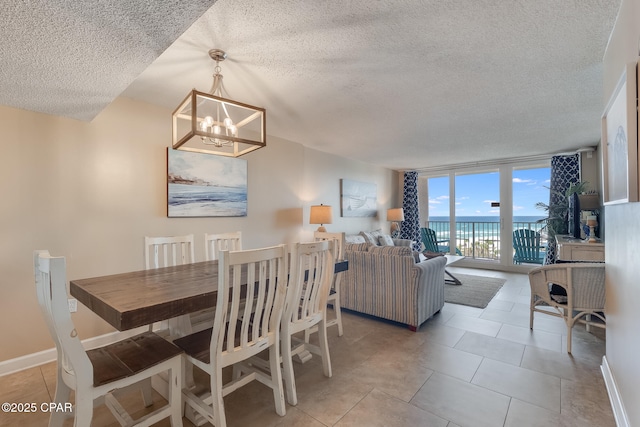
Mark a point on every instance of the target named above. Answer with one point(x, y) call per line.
point(526, 244)
point(432, 244)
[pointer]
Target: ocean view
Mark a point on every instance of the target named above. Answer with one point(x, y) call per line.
point(480, 228)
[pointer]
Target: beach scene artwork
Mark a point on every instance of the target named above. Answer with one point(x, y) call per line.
point(358, 199)
point(205, 185)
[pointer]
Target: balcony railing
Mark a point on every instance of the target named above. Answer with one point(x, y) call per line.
point(480, 240)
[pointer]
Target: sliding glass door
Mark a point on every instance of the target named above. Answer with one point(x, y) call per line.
point(478, 215)
point(476, 210)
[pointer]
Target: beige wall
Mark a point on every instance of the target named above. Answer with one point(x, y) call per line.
point(622, 242)
point(92, 191)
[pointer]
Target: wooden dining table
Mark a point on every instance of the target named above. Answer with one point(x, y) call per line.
point(139, 298)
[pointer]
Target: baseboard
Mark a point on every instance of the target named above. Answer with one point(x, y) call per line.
point(617, 405)
point(35, 359)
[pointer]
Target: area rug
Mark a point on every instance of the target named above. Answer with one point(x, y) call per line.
point(475, 291)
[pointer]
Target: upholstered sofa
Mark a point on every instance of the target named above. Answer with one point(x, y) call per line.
point(387, 282)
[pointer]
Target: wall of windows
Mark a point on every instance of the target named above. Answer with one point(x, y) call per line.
point(487, 204)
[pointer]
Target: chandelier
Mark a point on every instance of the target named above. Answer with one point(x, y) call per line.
point(211, 123)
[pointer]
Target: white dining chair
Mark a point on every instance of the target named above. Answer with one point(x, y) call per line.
point(251, 290)
point(334, 294)
point(96, 375)
point(310, 278)
point(214, 243)
point(169, 251)
point(585, 294)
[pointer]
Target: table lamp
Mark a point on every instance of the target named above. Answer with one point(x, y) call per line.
point(395, 216)
point(320, 214)
point(592, 222)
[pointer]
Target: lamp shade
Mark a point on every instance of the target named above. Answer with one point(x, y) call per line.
point(320, 214)
point(395, 214)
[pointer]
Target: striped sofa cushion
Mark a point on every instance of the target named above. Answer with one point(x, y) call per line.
point(357, 247)
point(391, 250)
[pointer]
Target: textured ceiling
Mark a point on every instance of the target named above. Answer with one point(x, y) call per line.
point(402, 84)
point(72, 58)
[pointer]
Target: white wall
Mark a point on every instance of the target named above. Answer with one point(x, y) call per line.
point(622, 239)
point(92, 191)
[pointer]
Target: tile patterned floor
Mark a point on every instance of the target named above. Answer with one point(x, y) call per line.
point(464, 367)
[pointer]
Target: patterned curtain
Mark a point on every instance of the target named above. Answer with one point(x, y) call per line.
point(410, 228)
point(565, 170)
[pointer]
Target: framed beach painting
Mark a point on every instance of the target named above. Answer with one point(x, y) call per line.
point(620, 141)
point(358, 199)
point(205, 185)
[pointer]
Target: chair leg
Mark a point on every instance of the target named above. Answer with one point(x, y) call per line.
point(287, 368)
point(324, 347)
point(83, 411)
point(569, 322)
point(175, 393)
point(276, 379)
point(62, 396)
point(531, 306)
point(147, 396)
point(336, 307)
point(217, 403)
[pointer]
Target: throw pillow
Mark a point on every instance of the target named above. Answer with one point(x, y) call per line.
point(369, 238)
point(372, 236)
point(354, 238)
point(385, 240)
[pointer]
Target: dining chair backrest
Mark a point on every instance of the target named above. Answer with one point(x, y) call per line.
point(526, 244)
point(334, 295)
point(168, 251)
point(337, 238)
point(310, 278)
point(51, 279)
point(214, 243)
point(250, 313)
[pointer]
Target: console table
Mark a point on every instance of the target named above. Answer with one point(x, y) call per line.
point(572, 249)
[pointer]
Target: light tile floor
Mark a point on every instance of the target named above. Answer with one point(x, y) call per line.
point(464, 367)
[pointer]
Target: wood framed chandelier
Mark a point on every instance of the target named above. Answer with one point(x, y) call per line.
point(213, 124)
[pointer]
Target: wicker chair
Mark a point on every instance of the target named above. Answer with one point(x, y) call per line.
point(585, 294)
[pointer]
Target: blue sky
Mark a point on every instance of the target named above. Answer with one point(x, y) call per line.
point(474, 193)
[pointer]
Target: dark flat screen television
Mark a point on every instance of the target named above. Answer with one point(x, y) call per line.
point(574, 215)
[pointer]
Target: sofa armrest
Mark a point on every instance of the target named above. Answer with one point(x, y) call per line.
point(402, 242)
point(430, 290)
